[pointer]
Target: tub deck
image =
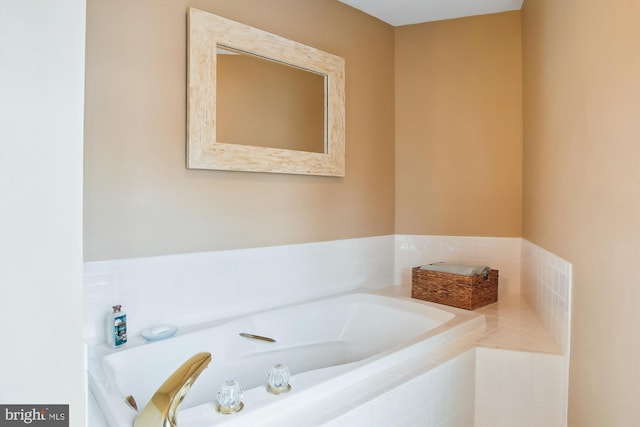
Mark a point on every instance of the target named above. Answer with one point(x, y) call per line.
point(505, 323)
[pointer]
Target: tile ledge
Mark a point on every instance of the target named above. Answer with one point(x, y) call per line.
point(511, 325)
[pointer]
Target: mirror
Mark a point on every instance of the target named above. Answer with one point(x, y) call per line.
point(259, 102)
point(285, 105)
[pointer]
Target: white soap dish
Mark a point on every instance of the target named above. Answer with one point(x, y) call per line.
point(159, 332)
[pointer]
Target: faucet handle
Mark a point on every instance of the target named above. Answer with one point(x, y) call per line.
point(229, 397)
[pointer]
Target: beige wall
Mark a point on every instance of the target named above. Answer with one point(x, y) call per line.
point(582, 188)
point(140, 200)
point(459, 127)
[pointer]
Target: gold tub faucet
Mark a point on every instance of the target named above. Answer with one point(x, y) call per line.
point(162, 409)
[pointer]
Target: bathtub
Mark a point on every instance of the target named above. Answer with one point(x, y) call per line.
point(328, 344)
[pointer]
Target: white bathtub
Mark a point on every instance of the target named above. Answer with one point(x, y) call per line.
point(328, 344)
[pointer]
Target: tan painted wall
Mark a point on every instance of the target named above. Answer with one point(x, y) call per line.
point(582, 188)
point(140, 200)
point(459, 127)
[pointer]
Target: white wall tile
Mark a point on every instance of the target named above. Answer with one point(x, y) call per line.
point(422, 416)
point(519, 389)
point(501, 253)
point(546, 286)
point(404, 401)
point(422, 401)
point(190, 288)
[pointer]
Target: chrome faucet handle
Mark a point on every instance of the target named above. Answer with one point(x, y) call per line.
point(162, 409)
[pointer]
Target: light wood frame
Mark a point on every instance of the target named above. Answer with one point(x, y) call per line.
point(205, 32)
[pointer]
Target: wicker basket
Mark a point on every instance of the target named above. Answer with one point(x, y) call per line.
point(468, 292)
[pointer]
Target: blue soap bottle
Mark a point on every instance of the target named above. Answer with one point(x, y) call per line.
point(117, 327)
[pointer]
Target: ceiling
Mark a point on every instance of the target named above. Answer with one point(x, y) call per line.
point(406, 12)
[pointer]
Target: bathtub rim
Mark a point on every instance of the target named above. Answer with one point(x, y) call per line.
point(444, 333)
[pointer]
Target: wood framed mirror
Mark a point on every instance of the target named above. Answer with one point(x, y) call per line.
point(259, 102)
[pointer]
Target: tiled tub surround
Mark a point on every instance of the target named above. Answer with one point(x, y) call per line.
point(194, 288)
point(520, 370)
point(509, 388)
point(515, 388)
point(506, 356)
point(489, 377)
point(501, 253)
point(436, 391)
point(546, 286)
